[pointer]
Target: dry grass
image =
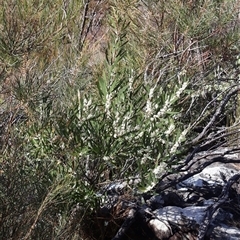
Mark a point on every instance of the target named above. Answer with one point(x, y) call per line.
point(89, 87)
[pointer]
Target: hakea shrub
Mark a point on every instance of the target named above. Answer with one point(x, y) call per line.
point(127, 126)
point(115, 94)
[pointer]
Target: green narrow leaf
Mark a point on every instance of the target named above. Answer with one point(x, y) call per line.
point(102, 87)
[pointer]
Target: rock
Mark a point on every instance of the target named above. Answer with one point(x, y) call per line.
point(225, 232)
point(156, 202)
point(200, 200)
point(216, 175)
point(182, 216)
point(161, 229)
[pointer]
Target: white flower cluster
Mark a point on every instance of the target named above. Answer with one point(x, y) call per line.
point(170, 129)
point(86, 104)
point(146, 155)
point(157, 171)
point(139, 135)
point(149, 102)
point(150, 108)
point(85, 109)
point(179, 140)
point(144, 158)
point(180, 90)
point(165, 108)
point(108, 104)
point(116, 121)
point(130, 82)
point(167, 105)
point(150, 186)
point(121, 129)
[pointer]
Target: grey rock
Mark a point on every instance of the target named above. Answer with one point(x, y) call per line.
point(182, 216)
point(225, 232)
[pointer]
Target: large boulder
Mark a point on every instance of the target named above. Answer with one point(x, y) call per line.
point(199, 201)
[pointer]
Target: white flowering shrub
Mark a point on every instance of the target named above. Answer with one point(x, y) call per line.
point(94, 92)
point(129, 126)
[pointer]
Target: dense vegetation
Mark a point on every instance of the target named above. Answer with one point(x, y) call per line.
point(98, 91)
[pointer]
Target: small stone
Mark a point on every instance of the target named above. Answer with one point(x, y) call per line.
point(161, 229)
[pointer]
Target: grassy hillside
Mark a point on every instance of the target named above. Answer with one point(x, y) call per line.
point(97, 91)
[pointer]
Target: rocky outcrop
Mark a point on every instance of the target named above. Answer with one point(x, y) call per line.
point(200, 200)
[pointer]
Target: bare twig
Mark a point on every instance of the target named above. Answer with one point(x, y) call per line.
point(126, 225)
point(84, 18)
point(217, 113)
point(85, 27)
point(213, 208)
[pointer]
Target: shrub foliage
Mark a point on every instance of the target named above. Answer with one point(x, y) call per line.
point(93, 92)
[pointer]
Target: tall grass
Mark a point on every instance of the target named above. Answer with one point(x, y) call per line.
point(98, 91)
